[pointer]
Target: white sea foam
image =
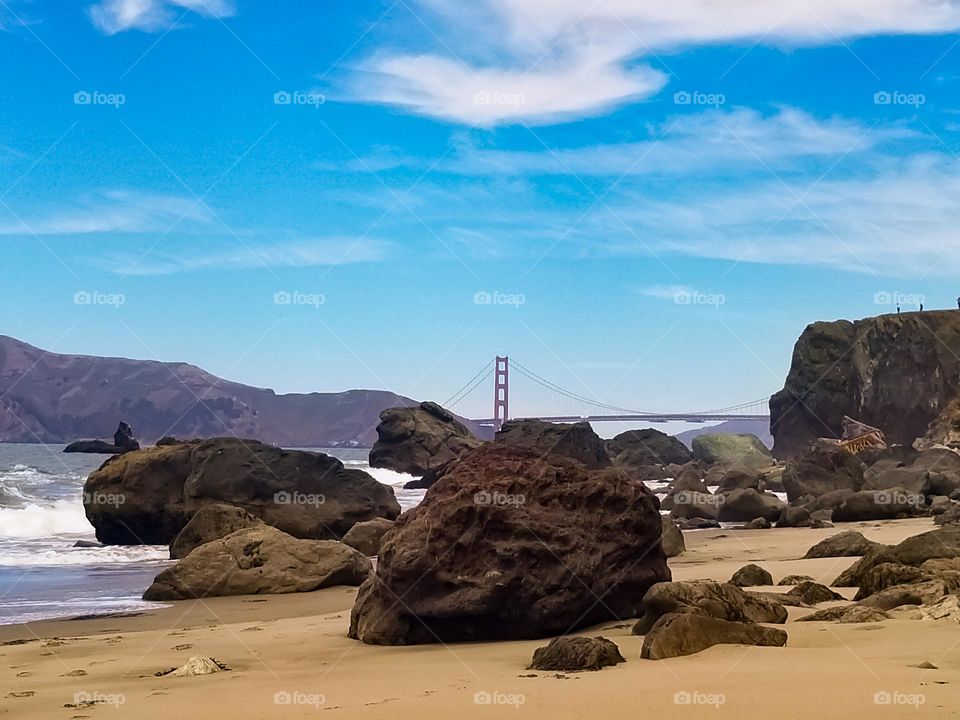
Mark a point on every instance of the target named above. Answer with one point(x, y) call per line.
point(33, 520)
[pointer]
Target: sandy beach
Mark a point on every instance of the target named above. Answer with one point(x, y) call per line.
point(289, 656)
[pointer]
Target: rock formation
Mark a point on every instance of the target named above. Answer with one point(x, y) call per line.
point(576, 441)
point(895, 372)
point(488, 553)
point(209, 523)
point(575, 654)
point(420, 439)
point(147, 496)
point(732, 451)
point(123, 441)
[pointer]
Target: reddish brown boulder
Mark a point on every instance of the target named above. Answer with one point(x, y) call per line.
point(511, 544)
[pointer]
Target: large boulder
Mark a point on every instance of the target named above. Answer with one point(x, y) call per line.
point(418, 439)
point(575, 654)
point(854, 613)
point(511, 544)
point(687, 505)
point(897, 372)
point(656, 447)
point(846, 544)
point(887, 575)
point(731, 451)
point(366, 536)
point(813, 593)
point(690, 477)
point(751, 576)
point(576, 441)
point(209, 523)
point(147, 496)
point(260, 560)
point(718, 600)
point(123, 441)
point(680, 634)
point(822, 468)
point(878, 505)
point(671, 538)
point(737, 479)
point(745, 505)
point(943, 542)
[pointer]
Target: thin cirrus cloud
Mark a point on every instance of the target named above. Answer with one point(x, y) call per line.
point(253, 255)
point(114, 16)
point(544, 61)
point(109, 211)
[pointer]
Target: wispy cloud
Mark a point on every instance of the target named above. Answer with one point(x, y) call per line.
point(542, 61)
point(107, 212)
point(320, 252)
point(666, 292)
point(114, 16)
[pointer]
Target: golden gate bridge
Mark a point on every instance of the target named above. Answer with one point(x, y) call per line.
point(500, 369)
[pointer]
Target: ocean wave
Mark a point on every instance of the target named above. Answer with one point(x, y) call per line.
point(34, 520)
point(51, 553)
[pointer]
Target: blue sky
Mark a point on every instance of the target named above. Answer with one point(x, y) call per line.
point(656, 200)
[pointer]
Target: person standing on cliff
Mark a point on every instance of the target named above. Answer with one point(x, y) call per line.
point(921, 307)
point(958, 303)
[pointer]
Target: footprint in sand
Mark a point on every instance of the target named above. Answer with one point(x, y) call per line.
point(24, 674)
point(252, 628)
point(182, 647)
point(23, 694)
point(75, 673)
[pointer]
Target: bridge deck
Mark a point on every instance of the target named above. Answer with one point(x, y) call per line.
point(664, 418)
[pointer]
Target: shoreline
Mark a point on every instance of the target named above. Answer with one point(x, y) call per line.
point(289, 656)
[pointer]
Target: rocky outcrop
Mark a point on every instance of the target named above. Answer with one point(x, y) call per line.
point(896, 372)
point(576, 441)
point(745, 505)
point(366, 536)
point(671, 538)
point(416, 440)
point(147, 496)
point(813, 593)
point(943, 542)
point(822, 468)
point(878, 505)
point(845, 544)
point(679, 634)
point(740, 480)
point(488, 553)
point(54, 398)
point(209, 523)
point(751, 576)
point(259, 560)
point(731, 451)
point(855, 613)
point(576, 654)
point(687, 505)
point(718, 600)
point(123, 441)
point(641, 448)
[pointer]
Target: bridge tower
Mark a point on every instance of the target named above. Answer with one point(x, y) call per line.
point(501, 392)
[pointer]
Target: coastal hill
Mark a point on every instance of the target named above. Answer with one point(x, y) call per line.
point(52, 398)
point(897, 372)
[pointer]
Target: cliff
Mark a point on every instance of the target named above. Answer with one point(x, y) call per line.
point(897, 372)
point(46, 397)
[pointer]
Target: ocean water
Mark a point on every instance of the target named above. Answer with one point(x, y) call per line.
point(42, 574)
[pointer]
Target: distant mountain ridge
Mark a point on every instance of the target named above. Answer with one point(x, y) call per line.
point(54, 398)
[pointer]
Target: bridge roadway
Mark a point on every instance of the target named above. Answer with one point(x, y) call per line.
point(660, 418)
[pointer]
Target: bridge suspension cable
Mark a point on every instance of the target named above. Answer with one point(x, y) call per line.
point(471, 385)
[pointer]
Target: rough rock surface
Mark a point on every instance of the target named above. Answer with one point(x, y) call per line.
point(855, 613)
point(915, 551)
point(680, 634)
point(260, 560)
point(123, 441)
point(671, 538)
point(896, 372)
point(308, 495)
point(719, 600)
point(822, 467)
point(878, 505)
point(576, 441)
point(741, 480)
point(209, 523)
point(366, 536)
point(731, 451)
point(751, 576)
point(688, 505)
point(575, 654)
point(745, 505)
point(814, 593)
point(846, 544)
point(795, 579)
point(649, 445)
point(487, 554)
point(416, 440)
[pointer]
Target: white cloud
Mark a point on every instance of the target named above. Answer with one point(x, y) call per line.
point(107, 212)
point(551, 60)
point(252, 255)
point(114, 16)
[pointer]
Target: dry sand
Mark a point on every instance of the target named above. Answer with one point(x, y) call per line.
point(289, 657)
